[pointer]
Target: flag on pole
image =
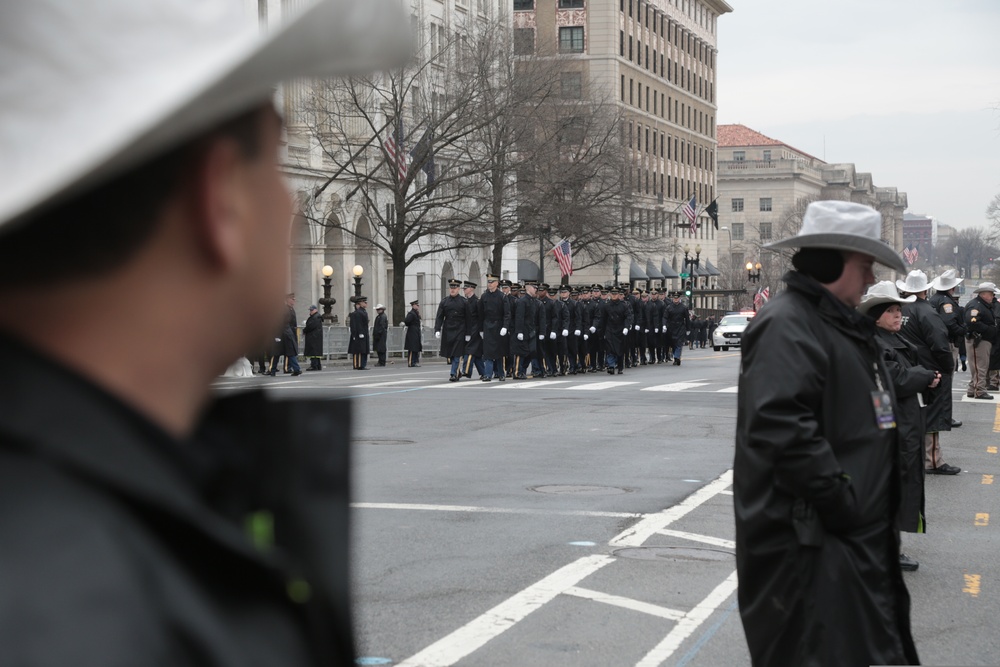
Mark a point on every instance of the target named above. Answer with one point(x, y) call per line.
point(910, 253)
point(691, 213)
point(713, 212)
point(393, 145)
point(765, 294)
point(758, 299)
point(564, 257)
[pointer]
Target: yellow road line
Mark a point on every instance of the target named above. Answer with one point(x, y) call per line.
point(996, 420)
point(982, 519)
point(972, 582)
point(991, 449)
point(987, 479)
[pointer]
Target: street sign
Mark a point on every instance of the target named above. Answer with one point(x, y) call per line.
point(685, 275)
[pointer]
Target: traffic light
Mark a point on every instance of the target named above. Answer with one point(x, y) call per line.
point(687, 288)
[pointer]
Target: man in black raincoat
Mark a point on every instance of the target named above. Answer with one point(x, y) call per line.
point(525, 320)
point(676, 320)
point(359, 345)
point(473, 356)
point(452, 328)
point(313, 332)
point(494, 323)
point(616, 322)
point(380, 334)
point(413, 345)
point(816, 473)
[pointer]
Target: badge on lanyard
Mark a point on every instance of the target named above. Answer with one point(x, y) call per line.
point(885, 419)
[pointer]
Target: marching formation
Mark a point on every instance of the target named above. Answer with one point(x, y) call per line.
point(531, 330)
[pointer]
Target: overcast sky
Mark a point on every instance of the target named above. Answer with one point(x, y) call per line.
point(907, 90)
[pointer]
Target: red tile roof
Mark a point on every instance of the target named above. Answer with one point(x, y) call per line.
point(730, 136)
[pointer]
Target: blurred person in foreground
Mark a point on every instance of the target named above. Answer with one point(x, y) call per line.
point(144, 521)
point(882, 304)
point(816, 473)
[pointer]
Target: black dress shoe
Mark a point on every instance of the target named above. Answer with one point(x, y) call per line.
point(677, 361)
point(294, 373)
point(484, 379)
point(620, 371)
point(985, 397)
point(907, 564)
point(955, 423)
point(944, 469)
point(611, 371)
point(453, 378)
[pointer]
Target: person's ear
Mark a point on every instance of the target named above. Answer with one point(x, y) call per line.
point(221, 202)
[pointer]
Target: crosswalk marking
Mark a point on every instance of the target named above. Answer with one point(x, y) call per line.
point(625, 603)
point(391, 383)
point(728, 390)
point(597, 386)
point(529, 385)
point(676, 386)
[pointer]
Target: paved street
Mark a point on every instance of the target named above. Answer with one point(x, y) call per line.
point(588, 520)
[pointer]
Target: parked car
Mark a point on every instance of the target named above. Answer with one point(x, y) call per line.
point(730, 330)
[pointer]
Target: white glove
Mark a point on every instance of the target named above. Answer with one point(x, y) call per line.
point(541, 336)
point(437, 334)
point(593, 329)
point(361, 335)
point(565, 332)
point(552, 336)
point(656, 331)
point(468, 338)
point(520, 336)
point(586, 336)
point(277, 340)
point(625, 331)
point(637, 327)
point(503, 331)
point(480, 334)
point(576, 333)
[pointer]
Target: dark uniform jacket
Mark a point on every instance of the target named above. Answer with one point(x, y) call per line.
point(677, 320)
point(126, 546)
point(359, 332)
point(980, 320)
point(314, 335)
point(380, 332)
point(952, 314)
point(287, 344)
point(493, 315)
point(412, 323)
point(615, 318)
point(474, 347)
point(924, 329)
point(454, 322)
point(525, 326)
point(909, 379)
point(816, 490)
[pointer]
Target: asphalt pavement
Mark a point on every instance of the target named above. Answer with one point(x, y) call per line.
point(587, 520)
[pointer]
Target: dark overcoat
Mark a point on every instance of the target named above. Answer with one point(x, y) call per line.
point(412, 323)
point(125, 546)
point(454, 322)
point(924, 329)
point(816, 490)
point(359, 343)
point(525, 319)
point(494, 315)
point(474, 347)
point(314, 335)
point(380, 332)
point(909, 379)
point(615, 318)
point(676, 319)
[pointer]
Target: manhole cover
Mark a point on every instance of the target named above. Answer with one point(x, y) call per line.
point(674, 553)
point(373, 441)
point(580, 489)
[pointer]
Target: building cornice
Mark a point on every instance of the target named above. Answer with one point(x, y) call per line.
point(720, 6)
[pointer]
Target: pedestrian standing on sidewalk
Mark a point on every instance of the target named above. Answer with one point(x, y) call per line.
point(148, 519)
point(380, 333)
point(817, 467)
point(359, 345)
point(313, 332)
point(287, 345)
point(413, 345)
point(981, 331)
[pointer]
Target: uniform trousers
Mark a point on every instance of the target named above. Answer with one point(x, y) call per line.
point(979, 365)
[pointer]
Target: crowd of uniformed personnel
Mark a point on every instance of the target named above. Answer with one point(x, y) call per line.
point(531, 330)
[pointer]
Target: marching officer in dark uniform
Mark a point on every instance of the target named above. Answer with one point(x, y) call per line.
point(511, 292)
point(380, 334)
point(413, 343)
point(474, 346)
point(452, 327)
point(676, 320)
point(525, 319)
point(550, 331)
point(566, 348)
point(358, 345)
point(660, 308)
point(616, 321)
point(493, 316)
point(543, 325)
point(585, 314)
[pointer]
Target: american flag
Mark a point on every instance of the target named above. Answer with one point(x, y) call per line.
point(910, 253)
point(762, 296)
point(394, 147)
point(691, 211)
point(564, 257)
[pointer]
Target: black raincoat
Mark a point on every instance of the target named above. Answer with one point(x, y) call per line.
point(816, 490)
point(928, 333)
point(494, 315)
point(413, 342)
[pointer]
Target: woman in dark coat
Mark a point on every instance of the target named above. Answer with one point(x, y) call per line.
point(909, 379)
point(413, 345)
point(314, 339)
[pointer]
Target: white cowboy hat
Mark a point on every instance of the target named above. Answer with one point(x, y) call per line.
point(882, 292)
point(90, 89)
point(986, 287)
point(380, 307)
point(843, 225)
point(947, 280)
point(916, 281)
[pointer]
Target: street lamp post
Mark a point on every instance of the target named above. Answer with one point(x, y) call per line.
point(328, 301)
point(690, 264)
point(358, 270)
point(753, 277)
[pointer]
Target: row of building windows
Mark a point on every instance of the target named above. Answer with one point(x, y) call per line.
point(737, 229)
point(571, 40)
point(672, 147)
point(520, 5)
point(672, 110)
point(667, 68)
point(660, 223)
point(741, 156)
point(651, 182)
point(765, 204)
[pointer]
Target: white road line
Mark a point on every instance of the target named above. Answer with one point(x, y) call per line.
point(597, 386)
point(689, 623)
point(980, 401)
point(392, 383)
point(653, 523)
point(529, 385)
point(451, 385)
point(491, 510)
point(728, 390)
point(726, 493)
point(694, 537)
point(626, 603)
point(676, 386)
point(494, 622)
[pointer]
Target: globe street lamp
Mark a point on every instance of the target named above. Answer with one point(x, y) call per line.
point(690, 264)
point(357, 271)
point(753, 276)
point(327, 301)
